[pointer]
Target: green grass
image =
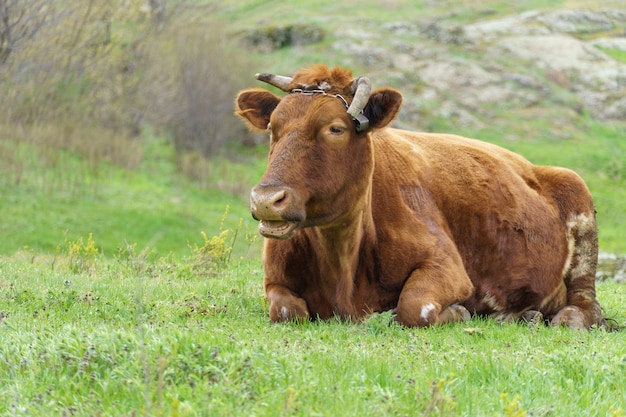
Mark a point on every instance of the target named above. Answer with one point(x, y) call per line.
point(241, 12)
point(616, 54)
point(162, 339)
point(153, 207)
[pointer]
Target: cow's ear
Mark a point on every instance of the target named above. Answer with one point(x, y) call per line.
point(255, 106)
point(382, 107)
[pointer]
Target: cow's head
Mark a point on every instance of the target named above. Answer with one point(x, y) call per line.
point(320, 160)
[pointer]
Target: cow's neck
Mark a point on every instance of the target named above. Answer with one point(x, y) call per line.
point(338, 250)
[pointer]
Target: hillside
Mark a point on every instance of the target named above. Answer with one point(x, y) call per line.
point(470, 64)
point(546, 79)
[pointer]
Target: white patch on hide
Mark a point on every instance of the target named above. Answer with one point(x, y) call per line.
point(582, 249)
point(571, 243)
point(426, 310)
point(284, 313)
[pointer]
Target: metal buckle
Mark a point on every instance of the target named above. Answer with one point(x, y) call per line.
point(361, 123)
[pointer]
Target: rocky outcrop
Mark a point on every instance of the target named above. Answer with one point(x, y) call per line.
point(512, 62)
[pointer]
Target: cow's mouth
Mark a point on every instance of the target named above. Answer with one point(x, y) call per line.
point(278, 229)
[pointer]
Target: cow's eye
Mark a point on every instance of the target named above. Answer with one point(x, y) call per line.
point(337, 130)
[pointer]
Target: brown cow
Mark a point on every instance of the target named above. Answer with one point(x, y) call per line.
point(364, 218)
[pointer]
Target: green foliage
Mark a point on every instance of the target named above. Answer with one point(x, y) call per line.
point(270, 38)
point(214, 254)
point(512, 407)
point(152, 207)
point(78, 63)
point(147, 323)
point(617, 54)
point(99, 81)
point(191, 78)
point(441, 402)
point(82, 256)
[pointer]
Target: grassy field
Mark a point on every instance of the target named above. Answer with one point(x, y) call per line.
point(135, 291)
point(122, 337)
point(153, 207)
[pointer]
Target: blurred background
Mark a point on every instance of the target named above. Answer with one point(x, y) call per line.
point(116, 117)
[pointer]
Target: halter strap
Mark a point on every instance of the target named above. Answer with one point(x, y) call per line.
point(361, 122)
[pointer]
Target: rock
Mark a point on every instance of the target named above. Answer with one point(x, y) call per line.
point(364, 52)
point(576, 21)
point(615, 110)
point(517, 25)
point(535, 23)
point(546, 40)
point(402, 28)
point(596, 78)
point(270, 38)
point(445, 33)
point(609, 43)
point(556, 52)
point(611, 266)
point(460, 72)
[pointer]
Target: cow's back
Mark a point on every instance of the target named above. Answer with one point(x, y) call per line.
point(488, 200)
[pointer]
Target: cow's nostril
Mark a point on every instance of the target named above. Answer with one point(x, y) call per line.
point(279, 198)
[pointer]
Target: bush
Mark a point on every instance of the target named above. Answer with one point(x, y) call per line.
point(194, 73)
point(87, 75)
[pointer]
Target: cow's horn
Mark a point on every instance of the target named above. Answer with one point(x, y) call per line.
point(361, 88)
point(279, 81)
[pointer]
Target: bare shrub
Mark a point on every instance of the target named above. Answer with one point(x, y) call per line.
point(84, 76)
point(20, 20)
point(193, 74)
point(69, 78)
point(72, 74)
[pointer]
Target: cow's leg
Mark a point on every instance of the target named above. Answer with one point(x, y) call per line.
point(582, 309)
point(285, 304)
point(430, 296)
point(567, 189)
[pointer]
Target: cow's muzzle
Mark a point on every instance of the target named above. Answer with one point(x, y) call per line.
point(277, 209)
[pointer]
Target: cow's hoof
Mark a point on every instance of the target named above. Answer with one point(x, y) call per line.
point(458, 313)
point(532, 317)
point(296, 309)
point(570, 316)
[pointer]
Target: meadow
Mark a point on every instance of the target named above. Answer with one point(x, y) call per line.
point(85, 335)
point(130, 270)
